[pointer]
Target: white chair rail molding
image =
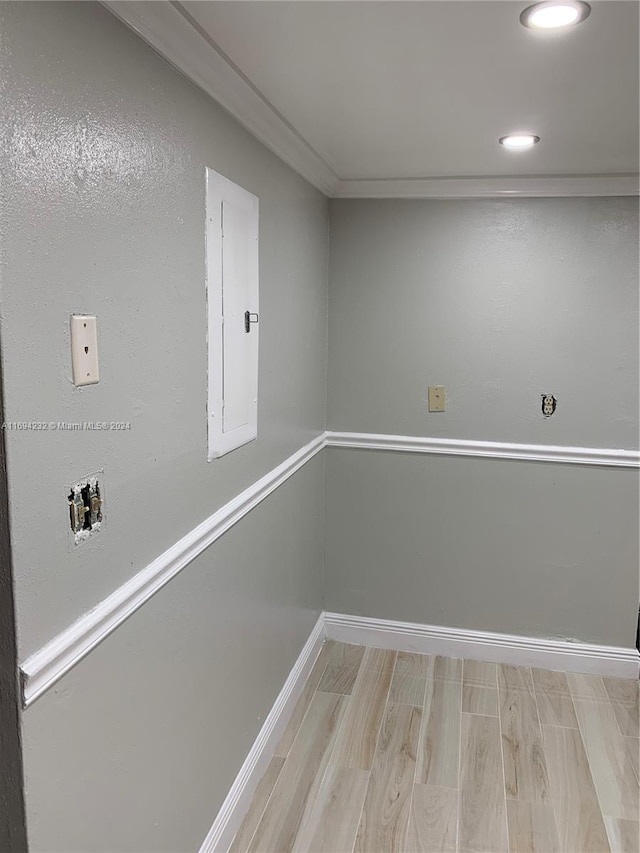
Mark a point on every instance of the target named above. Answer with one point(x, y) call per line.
point(44, 668)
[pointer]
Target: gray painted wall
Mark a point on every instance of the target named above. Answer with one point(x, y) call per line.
point(136, 748)
point(500, 302)
point(105, 150)
point(496, 545)
point(104, 197)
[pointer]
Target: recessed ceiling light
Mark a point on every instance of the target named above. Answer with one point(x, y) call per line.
point(519, 141)
point(555, 14)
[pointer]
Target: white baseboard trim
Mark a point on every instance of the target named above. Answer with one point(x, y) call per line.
point(408, 637)
point(241, 792)
point(600, 456)
point(44, 668)
point(483, 645)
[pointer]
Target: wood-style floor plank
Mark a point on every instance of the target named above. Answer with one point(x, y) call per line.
point(525, 768)
point(414, 753)
point(479, 700)
point(260, 798)
point(439, 748)
point(555, 705)
point(587, 687)
point(433, 820)
point(624, 835)
point(633, 748)
point(342, 669)
point(480, 673)
point(310, 687)
point(378, 659)
point(624, 698)
point(358, 735)
point(407, 689)
point(409, 679)
point(385, 816)
point(611, 765)
point(578, 817)
point(445, 669)
point(482, 820)
point(532, 828)
point(515, 678)
point(332, 823)
point(479, 688)
point(297, 785)
point(409, 663)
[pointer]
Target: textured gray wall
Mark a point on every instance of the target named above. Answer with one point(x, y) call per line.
point(105, 151)
point(136, 748)
point(103, 211)
point(500, 302)
point(105, 214)
point(495, 545)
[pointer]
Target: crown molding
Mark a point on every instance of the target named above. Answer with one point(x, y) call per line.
point(173, 36)
point(552, 186)
point(176, 37)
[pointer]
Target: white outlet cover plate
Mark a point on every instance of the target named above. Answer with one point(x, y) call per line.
point(84, 349)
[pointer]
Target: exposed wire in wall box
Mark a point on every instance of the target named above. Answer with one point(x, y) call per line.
point(86, 507)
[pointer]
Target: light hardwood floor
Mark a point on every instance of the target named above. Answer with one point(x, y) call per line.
point(391, 751)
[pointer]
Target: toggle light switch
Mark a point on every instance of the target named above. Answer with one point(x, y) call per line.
point(86, 505)
point(84, 349)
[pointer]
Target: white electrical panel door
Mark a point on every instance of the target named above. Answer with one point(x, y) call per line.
point(232, 306)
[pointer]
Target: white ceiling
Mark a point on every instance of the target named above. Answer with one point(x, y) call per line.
point(396, 99)
point(424, 89)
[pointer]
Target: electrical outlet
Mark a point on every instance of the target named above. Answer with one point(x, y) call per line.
point(549, 404)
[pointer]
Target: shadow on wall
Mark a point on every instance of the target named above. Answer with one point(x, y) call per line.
point(12, 818)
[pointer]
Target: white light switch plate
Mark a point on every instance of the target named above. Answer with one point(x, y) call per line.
point(84, 349)
point(436, 398)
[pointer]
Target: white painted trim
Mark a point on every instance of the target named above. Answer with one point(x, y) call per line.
point(220, 191)
point(555, 654)
point(171, 31)
point(46, 666)
point(409, 637)
point(167, 30)
point(50, 663)
point(552, 186)
point(491, 449)
point(239, 798)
